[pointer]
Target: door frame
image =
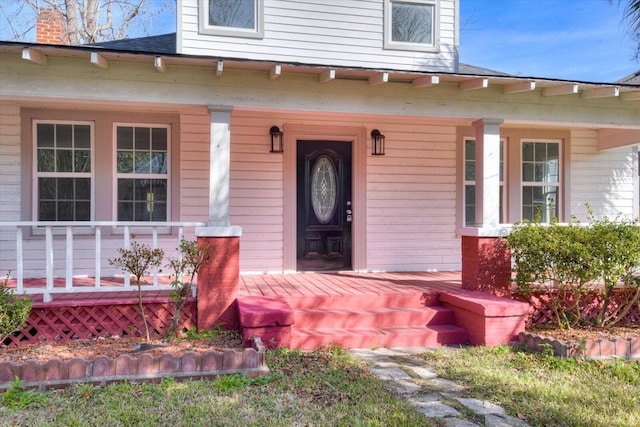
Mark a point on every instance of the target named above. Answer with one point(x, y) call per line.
point(358, 138)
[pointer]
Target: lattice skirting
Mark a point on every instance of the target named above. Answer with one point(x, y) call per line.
point(68, 320)
point(591, 303)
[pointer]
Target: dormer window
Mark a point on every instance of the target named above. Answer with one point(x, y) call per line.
point(234, 18)
point(410, 25)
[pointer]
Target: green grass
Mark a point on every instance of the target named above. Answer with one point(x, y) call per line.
point(319, 388)
point(546, 390)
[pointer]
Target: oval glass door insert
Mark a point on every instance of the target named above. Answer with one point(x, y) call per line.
point(323, 189)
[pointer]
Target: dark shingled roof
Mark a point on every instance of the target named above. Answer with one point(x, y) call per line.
point(631, 79)
point(164, 43)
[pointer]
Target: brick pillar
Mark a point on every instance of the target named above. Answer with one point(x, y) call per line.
point(486, 265)
point(50, 27)
point(218, 282)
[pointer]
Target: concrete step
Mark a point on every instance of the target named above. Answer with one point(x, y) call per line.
point(307, 318)
point(357, 302)
point(431, 336)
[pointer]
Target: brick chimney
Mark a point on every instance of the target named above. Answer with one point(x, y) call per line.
point(50, 27)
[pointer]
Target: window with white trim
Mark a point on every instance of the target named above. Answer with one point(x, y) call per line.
point(237, 18)
point(142, 172)
point(410, 24)
point(470, 182)
point(540, 180)
point(63, 170)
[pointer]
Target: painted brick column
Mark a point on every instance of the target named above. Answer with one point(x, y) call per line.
point(218, 280)
point(486, 265)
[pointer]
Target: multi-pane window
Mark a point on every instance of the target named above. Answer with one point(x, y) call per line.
point(63, 171)
point(410, 23)
point(470, 182)
point(142, 172)
point(540, 180)
point(241, 18)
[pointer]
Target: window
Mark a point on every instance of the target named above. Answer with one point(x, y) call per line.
point(238, 18)
point(410, 24)
point(540, 180)
point(470, 182)
point(142, 172)
point(63, 169)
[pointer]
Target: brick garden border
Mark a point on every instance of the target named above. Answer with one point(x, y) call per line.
point(102, 370)
point(626, 348)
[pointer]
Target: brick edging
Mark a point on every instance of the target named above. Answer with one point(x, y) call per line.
point(626, 348)
point(57, 373)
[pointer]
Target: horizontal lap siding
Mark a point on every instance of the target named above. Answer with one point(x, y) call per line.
point(604, 180)
point(195, 130)
point(9, 182)
point(344, 33)
point(411, 199)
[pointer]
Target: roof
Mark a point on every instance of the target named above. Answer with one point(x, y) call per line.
point(631, 79)
point(166, 43)
point(163, 43)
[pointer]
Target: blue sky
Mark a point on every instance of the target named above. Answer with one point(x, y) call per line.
point(565, 39)
point(584, 40)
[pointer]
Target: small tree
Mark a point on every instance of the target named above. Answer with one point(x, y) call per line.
point(14, 311)
point(193, 257)
point(137, 261)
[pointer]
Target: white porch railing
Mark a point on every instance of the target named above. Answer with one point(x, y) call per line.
point(118, 231)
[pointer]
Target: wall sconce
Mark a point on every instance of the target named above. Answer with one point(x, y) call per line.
point(276, 140)
point(377, 143)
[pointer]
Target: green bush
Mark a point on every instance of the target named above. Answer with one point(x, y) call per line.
point(570, 261)
point(14, 311)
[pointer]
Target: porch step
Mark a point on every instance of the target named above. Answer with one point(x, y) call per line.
point(373, 318)
point(364, 302)
point(430, 336)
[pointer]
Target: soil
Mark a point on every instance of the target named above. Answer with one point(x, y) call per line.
point(113, 347)
point(587, 333)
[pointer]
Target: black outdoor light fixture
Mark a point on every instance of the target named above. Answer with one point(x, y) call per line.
point(276, 140)
point(377, 143)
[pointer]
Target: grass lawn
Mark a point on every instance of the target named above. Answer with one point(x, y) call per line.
point(331, 388)
point(321, 388)
point(545, 390)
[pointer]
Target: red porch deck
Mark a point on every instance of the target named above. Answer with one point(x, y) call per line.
point(347, 283)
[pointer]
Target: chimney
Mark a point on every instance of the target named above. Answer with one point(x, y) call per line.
point(50, 27)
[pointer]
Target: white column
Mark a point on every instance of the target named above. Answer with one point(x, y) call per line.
point(218, 224)
point(220, 159)
point(487, 172)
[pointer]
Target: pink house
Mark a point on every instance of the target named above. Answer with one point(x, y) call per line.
point(295, 137)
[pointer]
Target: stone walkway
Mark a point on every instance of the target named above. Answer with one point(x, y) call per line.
point(433, 396)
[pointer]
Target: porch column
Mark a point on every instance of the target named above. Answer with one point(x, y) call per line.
point(218, 279)
point(487, 171)
point(486, 263)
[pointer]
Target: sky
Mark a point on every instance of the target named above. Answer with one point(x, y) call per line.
point(579, 40)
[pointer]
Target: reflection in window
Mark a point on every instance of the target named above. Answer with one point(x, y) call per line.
point(232, 13)
point(540, 180)
point(411, 22)
point(63, 170)
point(142, 155)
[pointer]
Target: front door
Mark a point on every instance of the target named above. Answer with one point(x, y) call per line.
point(324, 206)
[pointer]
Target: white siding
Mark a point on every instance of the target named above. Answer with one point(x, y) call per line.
point(336, 32)
point(604, 180)
point(9, 181)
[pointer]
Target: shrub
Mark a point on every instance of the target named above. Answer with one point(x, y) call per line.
point(14, 311)
point(570, 261)
point(137, 261)
point(191, 259)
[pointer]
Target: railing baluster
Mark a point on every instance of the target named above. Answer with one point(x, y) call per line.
point(19, 259)
point(180, 239)
point(127, 245)
point(69, 263)
point(155, 246)
point(49, 261)
point(98, 273)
